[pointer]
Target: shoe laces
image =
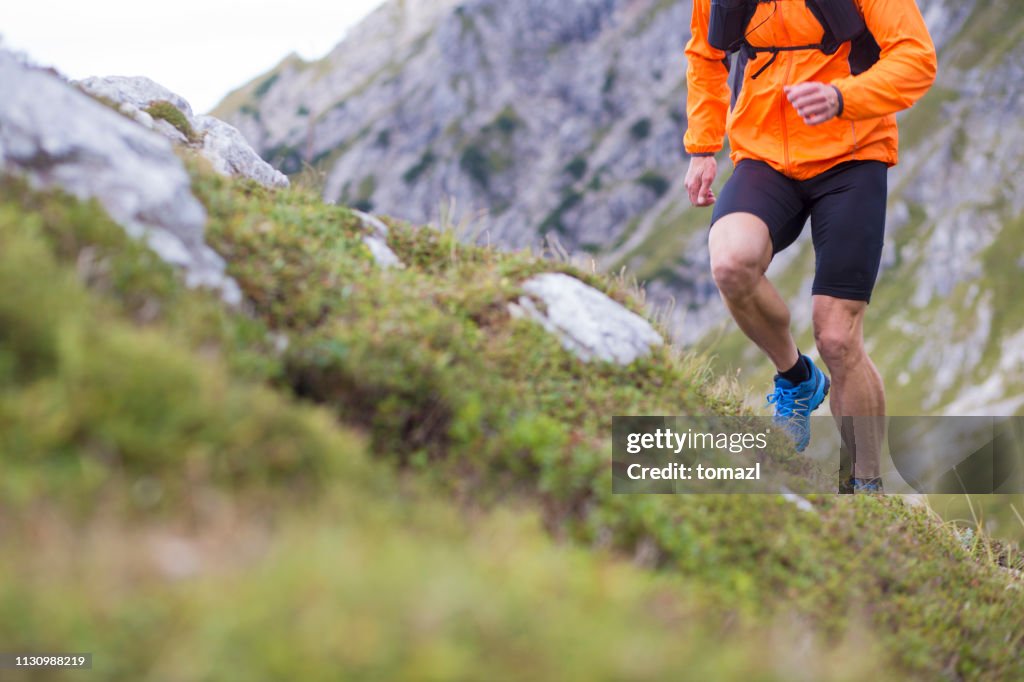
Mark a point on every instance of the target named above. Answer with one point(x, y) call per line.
point(786, 400)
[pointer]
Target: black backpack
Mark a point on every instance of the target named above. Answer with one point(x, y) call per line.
point(843, 23)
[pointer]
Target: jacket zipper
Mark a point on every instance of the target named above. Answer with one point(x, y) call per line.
point(784, 101)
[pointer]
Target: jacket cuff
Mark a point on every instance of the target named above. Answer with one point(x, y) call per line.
point(702, 153)
point(842, 104)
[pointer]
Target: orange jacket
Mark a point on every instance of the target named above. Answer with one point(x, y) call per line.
point(763, 124)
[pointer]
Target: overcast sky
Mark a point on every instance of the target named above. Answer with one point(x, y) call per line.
point(200, 49)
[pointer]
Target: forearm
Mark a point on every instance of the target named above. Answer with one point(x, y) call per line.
point(884, 89)
point(706, 111)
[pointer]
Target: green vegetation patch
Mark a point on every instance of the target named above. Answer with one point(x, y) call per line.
point(164, 110)
point(554, 220)
point(655, 182)
point(926, 116)
point(264, 87)
point(990, 32)
point(640, 130)
point(491, 152)
point(577, 168)
point(419, 168)
point(285, 158)
point(475, 163)
point(101, 394)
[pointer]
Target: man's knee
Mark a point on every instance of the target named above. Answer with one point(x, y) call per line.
point(740, 251)
point(735, 275)
point(837, 331)
point(836, 345)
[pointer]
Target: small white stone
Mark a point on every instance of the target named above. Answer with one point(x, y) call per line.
point(381, 252)
point(372, 221)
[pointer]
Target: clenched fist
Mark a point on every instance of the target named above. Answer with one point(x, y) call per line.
point(815, 102)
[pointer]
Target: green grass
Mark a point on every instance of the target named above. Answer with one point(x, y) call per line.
point(490, 152)
point(1001, 263)
point(655, 182)
point(419, 168)
point(640, 130)
point(443, 513)
point(554, 220)
point(926, 116)
point(665, 244)
point(245, 97)
point(577, 168)
point(265, 85)
point(164, 110)
point(992, 29)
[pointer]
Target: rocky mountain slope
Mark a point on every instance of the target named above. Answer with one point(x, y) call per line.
point(566, 118)
point(380, 467)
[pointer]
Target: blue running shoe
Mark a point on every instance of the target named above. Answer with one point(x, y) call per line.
point(860, 486)
point(795, 402)
point(866, 485)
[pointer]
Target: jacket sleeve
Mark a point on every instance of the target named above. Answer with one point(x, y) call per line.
point(707, 87)
point(905, 70)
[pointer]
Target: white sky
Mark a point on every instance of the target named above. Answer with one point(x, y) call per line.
point(200, 49)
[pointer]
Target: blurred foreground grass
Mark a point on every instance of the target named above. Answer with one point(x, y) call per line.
point(174, 502)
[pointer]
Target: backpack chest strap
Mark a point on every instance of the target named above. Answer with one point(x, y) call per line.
point(753, 51)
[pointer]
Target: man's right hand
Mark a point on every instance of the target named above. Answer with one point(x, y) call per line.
point(699, 177)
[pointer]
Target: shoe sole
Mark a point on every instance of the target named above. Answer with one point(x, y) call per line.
point(800, 447)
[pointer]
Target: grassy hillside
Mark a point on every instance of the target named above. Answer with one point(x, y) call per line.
point(379, 474)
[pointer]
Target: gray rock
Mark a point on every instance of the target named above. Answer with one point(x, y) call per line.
point(230, 154)
point(587, 322)
point(144, 118)
point(56, 136)
point(137, 91)
point(222, 144)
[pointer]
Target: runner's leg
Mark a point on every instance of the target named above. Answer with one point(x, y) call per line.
point(857, 389)
point(758, 214)
point(741, 250)
point(848, 229)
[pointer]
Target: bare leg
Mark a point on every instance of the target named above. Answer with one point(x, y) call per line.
point(741, 251)
point(857, 390)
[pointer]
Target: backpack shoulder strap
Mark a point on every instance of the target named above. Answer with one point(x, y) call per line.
point(843, 22)
point(727, 25)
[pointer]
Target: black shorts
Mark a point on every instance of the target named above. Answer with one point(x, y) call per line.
point(846, 205)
